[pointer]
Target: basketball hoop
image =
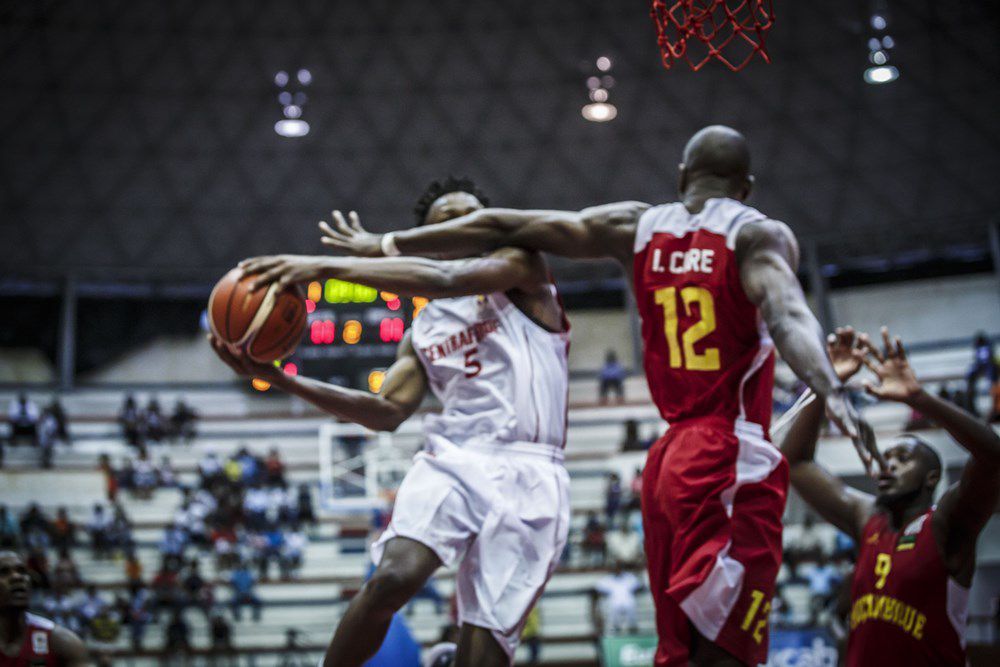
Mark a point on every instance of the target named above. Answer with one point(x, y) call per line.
point(731, 31)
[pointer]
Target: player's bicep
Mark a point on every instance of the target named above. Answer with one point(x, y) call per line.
point(844, 507)
point(501, 270)
point(71, 650)
point(599, 231)
point(405, 383)
point(768, 255)
point(968, 504)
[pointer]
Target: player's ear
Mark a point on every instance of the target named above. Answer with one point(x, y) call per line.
point(682, 178)
point(748, 186)
point(932, 479)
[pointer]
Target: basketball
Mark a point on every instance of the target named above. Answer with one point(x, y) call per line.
point(267, 323)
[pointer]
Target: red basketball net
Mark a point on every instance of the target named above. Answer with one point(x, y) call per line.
point(731, 31)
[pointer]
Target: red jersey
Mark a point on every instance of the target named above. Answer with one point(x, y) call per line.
point(36, 651)
point(905, 608)
point(707, 350)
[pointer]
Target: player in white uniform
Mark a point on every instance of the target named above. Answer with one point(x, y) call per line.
point(489, 493)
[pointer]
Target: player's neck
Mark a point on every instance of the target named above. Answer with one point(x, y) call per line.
point(12, 624)
point(903, 515)
point(697, 193)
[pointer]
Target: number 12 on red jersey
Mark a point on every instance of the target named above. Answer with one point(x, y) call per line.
point(691, 360)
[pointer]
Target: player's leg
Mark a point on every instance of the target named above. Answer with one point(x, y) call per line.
point(405, 567)
point(708, 654)
point(477, 647)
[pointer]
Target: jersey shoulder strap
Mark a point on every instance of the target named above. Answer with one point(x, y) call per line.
point(719, 216)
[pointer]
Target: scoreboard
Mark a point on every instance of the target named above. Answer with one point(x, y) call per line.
point(352, 333)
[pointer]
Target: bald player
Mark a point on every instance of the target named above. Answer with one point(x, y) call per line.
point(715, 285)
point(911, 583)
point(27, 640)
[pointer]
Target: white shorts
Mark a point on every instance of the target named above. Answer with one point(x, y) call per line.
point(502, 514)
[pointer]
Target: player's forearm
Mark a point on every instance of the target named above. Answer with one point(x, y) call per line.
point(977, 437)
point(473, 234)
point(799, 444)
point(799, 339)
point(410, 276)
point(360, 407)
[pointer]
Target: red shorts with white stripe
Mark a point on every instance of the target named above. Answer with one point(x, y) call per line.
point(712, 499)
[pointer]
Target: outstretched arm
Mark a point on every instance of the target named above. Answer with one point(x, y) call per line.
point(501, 270)
point(844, 507)
point(402, 391)
point(768, 256)
point(599, 231)
point(965, 507)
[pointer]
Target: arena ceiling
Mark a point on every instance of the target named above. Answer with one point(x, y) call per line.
point(138, 135)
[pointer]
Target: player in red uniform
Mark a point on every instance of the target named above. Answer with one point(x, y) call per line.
point(915, 563)
point(715, 285)
point(27, 640)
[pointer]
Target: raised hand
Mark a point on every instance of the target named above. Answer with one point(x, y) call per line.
point(349, 236)
point(847, 351)
point(241, 363)
point(846, 418)
point(282, 269)
point(896, 379)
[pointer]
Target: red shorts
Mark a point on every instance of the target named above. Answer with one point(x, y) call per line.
point(712, 500)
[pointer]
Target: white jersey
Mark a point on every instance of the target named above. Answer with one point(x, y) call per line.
point(502, 379)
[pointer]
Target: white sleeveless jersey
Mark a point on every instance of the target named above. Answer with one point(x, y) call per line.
point(501, 378)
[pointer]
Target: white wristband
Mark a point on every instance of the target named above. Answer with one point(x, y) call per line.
point(388, 244)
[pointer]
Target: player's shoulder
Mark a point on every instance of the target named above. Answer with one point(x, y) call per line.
point(38, 622)
point(616, 213)
point(68, 646)
point(764, 234)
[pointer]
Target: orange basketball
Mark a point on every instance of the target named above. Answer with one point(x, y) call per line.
point(268, 323)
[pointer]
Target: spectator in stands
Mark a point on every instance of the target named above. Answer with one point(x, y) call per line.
point(120, 530)
point(306, 515)
point(984, 364)
point(130, 420)
point(63, 530)
point(994, 415)
point(612, 378)
point(531, 635)
point(635, 491)
point(250, 467)
point(593, 545)
point(209, 469)
point(104, 630)
point(110, 478)
point(133, 569)
point(809, 543)
point(55, 408)
point(174, 542)
point(36, 529)
point(138, 614)
point(269, 547)
point(224, 540)
point(144, 476)
point(47, 434)
point(60, 609)
point(153, 423)
point(199, 591)
point(10, 534)
point(255, 504)
point(38, 569)
point(292, 551)
point(274, 469)
point(221, 633)
point(166, 592)
point(166, 476)
point(244, 591)
point(177, 637)
point(65, 574)
point(182, 422)
point(612, 498)
point(625, 546)
point(619, 589)
point(824, 579)
point(23, 415)
point(90, 605)
point(631, 441)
